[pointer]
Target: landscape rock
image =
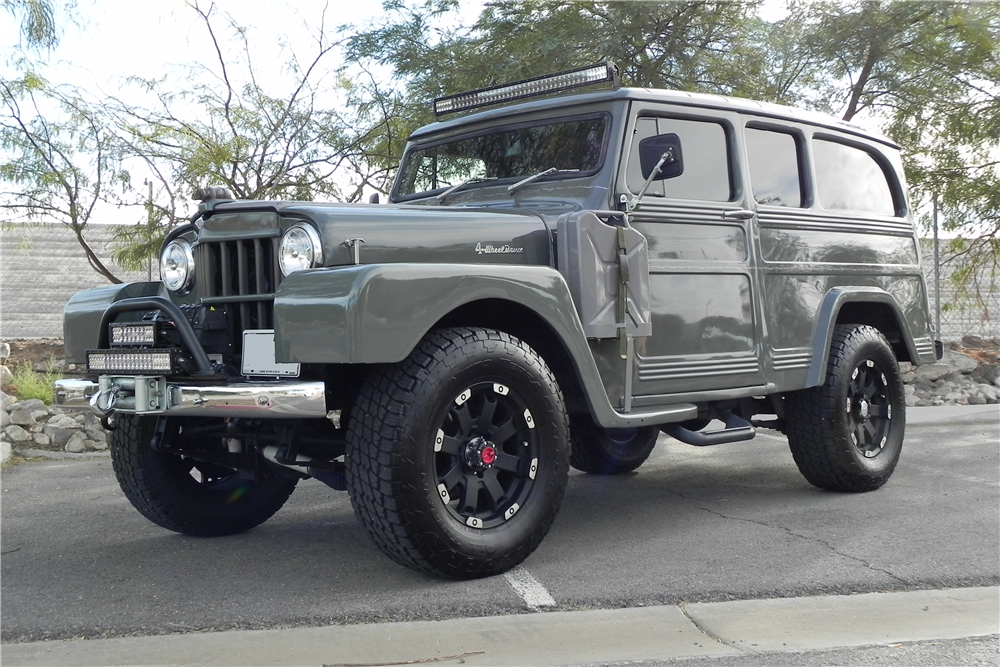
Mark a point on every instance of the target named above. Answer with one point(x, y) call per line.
point(16, 434)
point(76, 443)
point(4, 351)
point(6, 377)
point(21, 416)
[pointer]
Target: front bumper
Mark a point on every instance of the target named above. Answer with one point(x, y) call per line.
point(152, 395)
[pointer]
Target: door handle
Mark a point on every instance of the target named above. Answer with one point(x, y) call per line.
point(738, 214)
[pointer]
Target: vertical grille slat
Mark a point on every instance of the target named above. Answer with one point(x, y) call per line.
point(258, 258)
point(226, 273)
point(242, 275)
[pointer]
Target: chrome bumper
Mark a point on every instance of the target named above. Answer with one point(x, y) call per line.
point(265, 400)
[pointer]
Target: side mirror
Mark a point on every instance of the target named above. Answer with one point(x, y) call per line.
point(373, 199)
point(653, 149)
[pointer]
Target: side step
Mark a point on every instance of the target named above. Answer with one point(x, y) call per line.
point(736, 429)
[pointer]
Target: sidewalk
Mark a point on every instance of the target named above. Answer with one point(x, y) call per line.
point(716, 629)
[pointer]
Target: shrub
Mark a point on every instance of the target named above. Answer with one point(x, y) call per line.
point(28, 383)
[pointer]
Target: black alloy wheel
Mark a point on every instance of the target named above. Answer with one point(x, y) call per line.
point(486, 455)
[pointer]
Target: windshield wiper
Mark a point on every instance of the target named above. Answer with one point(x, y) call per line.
point(534, 177)
point(455, 188)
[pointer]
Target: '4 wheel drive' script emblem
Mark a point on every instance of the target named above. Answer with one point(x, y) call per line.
point(497, 249)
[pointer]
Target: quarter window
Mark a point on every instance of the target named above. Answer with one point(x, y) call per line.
point(851, 179)
point(774, 167)
point(705, 149)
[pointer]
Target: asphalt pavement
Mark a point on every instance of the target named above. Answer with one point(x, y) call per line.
point(571, 622)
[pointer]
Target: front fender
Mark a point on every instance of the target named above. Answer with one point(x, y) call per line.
point(378, 313)
point(84, 311)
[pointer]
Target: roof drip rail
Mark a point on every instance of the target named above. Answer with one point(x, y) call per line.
point(604, 72)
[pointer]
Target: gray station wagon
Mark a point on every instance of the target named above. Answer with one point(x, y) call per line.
point(558, 276)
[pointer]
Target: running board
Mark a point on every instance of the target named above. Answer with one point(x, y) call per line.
point(736, 429)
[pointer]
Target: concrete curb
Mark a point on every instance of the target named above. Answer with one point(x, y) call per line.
point(716, 629)
point(953, 413)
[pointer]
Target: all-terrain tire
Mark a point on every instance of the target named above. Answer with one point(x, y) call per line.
point(847, 434)
point(187, 496)
point(458, 457)
point(601, 451)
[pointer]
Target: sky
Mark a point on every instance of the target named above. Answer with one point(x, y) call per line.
point(120, 38)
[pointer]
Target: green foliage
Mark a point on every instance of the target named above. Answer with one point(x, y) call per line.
point(38, 21)
point(26, 383)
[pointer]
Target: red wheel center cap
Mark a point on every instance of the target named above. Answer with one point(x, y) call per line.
point(489, 455)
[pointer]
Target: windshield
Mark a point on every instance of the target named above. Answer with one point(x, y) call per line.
point(509, 153)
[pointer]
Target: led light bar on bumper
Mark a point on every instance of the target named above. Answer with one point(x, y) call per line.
point(539, 85)
point(131, 361)
point(128, 335)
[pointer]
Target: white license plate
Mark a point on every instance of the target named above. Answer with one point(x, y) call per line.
point(258, 356)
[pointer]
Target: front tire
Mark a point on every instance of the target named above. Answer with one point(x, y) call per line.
point(458, 457)
point(188, 496)
point(847, 434)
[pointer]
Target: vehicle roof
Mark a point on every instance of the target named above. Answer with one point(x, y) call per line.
point(672, 97)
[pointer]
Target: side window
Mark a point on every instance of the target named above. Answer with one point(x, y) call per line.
point(706, 174)
point(774, 167)
point(851, 179)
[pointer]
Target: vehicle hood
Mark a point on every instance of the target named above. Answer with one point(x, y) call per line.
point(393, 233)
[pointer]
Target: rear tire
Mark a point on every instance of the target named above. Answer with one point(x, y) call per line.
point(847, 434)
point(601, 451)
point(188, 496)
point(458, 457)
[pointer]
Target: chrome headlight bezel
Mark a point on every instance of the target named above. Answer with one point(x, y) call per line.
point(177, 266)
point(300, 248)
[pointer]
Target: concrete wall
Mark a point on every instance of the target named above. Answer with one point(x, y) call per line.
point(41, 267)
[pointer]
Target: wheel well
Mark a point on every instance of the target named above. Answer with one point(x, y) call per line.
point(524, 323)
point(882, 317)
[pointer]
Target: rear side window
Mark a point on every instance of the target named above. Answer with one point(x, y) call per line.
point(706, 174)
point(851, 179)
point(774, 167)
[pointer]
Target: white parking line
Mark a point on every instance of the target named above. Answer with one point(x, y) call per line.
point(526, 586)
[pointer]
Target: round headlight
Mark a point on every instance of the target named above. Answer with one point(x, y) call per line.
point(300, 249)
point(177, 266)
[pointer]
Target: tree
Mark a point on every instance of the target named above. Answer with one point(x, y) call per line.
point(222, 127)
point(929, 74)
point(62, 161)
point(38, 21)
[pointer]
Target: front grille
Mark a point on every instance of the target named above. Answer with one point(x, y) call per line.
point(239, 276)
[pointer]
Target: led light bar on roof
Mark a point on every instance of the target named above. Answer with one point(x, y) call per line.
point(540, 85)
